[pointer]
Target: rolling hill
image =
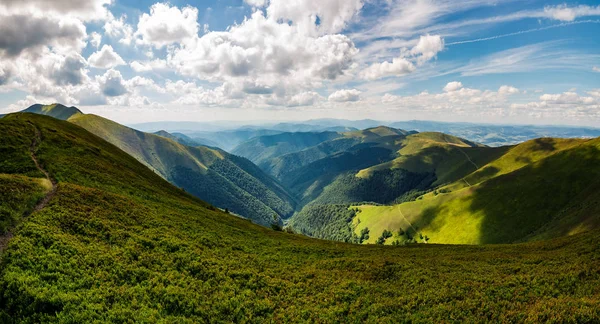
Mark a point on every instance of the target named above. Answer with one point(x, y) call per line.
point(262, 149)
point(380, 165)
point(118, 243)
point(540, 189)
point(222, 179)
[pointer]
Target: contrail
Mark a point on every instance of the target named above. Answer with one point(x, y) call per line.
point(525, 32)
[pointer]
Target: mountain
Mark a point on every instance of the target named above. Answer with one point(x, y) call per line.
point(222, 179)
point(229, 139)
point(262, 149)
point(539, 189)
point(498, 135)
point(57, 111)
point(184, 139)
point(114, 242)
point(380, 165)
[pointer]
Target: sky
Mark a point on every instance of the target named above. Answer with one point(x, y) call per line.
point(504, 61)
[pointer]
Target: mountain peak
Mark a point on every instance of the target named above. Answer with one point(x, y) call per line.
point(56, 110)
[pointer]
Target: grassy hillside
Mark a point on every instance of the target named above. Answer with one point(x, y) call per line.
point(386, 165)
point(117, 243)
point(179, 138)
point(261, 150)
point(208, 173)
point(539, 189)
point(57, 111)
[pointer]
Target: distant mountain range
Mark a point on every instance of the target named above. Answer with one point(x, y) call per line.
point(340, 184)
point(89, 233)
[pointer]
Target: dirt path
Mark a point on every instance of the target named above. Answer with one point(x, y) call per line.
point(5, 238)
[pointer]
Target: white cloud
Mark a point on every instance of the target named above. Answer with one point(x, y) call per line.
point(87, 10)
point(267, 53)
point(95, 39)
point(315, 17)
point(308, 98)
point(596, 69)
point(428, 47)
point(19, 33)
point(154, 65)
point(166, 25)
point(508, 90)
point(399, 66)
point(566, 13)
point(567, 98)
point(105, 58)
point(345, 95)
point(256, 3)
point(119, 29)
point(112, 83)
point(453, 86)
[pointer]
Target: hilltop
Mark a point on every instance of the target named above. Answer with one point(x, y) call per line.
point(118, 243)
point(539, 189)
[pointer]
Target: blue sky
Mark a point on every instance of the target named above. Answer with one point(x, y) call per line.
point(474, 60)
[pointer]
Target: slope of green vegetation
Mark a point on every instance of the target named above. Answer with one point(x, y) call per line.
point(18, 195)
point(540, 189)
point(179, 138)
point(261, 150)
point(117, 243)
point(208, 173)
point(330, 222)
point(57, 111)
point(449, 157)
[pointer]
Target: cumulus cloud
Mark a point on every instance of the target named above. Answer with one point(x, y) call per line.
point(95, 39)
point(167, 25)
point(256, 3)
point(119, 29)
point(112, 83)
point(265, 51)
point(21, 32)
point(398, 67)
point(146, 66)
point(508, 90)
point(428, 47)
point(315, 17)
point(567, 98)
point(105, 58)
point(453, 86)
point(69, 71)
point(86, 10)
point(596, 69)
point(566, 13)
point(307, 98)
point(345, 95)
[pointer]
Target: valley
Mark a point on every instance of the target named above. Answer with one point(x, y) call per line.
point(118, 242)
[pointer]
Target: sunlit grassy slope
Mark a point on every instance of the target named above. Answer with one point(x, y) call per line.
point(57, 111)
point(209, 173)
point(539, 189)
point(118, 243)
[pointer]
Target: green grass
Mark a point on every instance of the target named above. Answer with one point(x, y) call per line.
point(537, 190)
point(18, 195)
point(117, 243)
point(57, 111)
point(208, 173)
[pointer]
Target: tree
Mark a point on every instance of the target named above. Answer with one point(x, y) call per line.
point(275, 224)
point(364, 234)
